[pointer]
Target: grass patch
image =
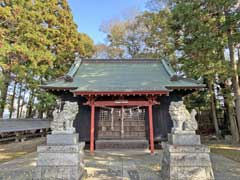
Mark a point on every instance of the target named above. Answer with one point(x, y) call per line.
point(226, 150)
point(4, 157)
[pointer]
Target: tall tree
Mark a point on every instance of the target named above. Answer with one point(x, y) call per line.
point(158, 39)
point(104, 51)
point(125, 36)
point(39, 39)
point(231, 25)
point(201, 31)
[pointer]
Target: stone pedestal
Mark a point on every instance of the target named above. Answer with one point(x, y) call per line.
point(61, 158)
point(62, 139)
point(184, 139)
point(184, 158)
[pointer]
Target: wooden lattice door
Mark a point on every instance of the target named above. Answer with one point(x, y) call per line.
point(121, 123)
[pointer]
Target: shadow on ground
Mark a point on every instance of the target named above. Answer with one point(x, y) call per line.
point(124, 165)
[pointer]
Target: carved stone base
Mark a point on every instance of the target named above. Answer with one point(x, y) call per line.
point(184, 139)
point(62, 139)
point(59, 161)
point(65, 131)
point(186, 162)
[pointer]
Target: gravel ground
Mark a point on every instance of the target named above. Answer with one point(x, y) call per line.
point(131, 165)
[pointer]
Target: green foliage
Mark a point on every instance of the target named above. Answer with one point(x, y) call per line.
point(195, 30)
point(46, 101)
point(200, 30)
point(198, 100)
point(38, 41)
point(158, 40)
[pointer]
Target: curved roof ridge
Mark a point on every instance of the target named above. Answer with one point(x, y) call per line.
point(190, 80)
point(167, 66)
point(52, 81)
point(122, 60)
point(73, 70)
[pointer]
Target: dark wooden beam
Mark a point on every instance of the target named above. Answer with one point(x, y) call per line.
point(121, 103)
point(121, 93)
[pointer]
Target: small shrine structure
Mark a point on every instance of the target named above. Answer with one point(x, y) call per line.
point(122, 103)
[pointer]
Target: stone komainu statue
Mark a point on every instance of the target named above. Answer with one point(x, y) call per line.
point(183, 121)
point(63, 120)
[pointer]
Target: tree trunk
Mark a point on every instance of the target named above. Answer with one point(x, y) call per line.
point(232, 120)
point(22, 104)
point(238, 57)
point(49, 114)
point(235, 78)
point(4, 91)
point(11, 109)
point(30, 105)
point(40, 114)
point(213, 107)
point(19, 99)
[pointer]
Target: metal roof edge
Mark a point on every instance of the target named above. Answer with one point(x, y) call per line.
point(191, 80)
point(174, 76)
point(137, 60)
point(51, 81)
point(73, 70)
point(197, 86)
point(167, 66)
point(57, 88)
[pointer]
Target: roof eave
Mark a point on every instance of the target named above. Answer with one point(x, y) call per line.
point(56, 88)
point(202, 86)
point(104, 93)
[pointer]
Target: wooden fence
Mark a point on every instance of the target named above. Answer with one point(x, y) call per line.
point(22, 129)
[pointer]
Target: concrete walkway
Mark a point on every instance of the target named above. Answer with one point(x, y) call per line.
point(124, 165)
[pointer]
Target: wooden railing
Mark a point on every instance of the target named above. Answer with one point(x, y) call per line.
point(23, 129)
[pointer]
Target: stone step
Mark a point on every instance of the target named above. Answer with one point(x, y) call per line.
point(118, 128)
point(122, 144)
point(118, 123)
point(109, 134)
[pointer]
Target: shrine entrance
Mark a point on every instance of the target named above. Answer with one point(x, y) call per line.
point(121, 123)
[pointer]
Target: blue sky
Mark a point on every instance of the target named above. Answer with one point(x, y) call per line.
point(90, 14)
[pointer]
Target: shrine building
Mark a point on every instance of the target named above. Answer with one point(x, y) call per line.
point(123, 103)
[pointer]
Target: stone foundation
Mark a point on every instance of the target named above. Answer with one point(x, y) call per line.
point(62, 160)
point(183, 161)
point(117, 144)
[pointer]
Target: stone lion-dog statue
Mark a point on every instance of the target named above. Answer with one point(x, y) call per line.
point(183, 121)
point(63, 120)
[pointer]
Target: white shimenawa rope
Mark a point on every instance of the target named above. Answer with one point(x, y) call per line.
point(112, 119)
point(122, 118)
point(122, 114)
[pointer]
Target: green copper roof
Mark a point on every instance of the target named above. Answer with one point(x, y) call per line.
point(121, 75)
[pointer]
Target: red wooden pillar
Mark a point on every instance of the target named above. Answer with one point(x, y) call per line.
point(92, 127)
point(151, 128)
